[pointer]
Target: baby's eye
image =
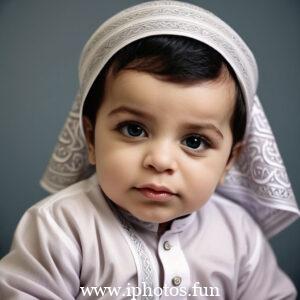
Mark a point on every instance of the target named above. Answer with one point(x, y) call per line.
point(196, 142)
point(132, 129)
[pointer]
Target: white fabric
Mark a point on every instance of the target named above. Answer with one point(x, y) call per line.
point(74, 238)
point(258, 181)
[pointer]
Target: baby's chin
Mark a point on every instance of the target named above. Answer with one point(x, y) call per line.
point(157, 218)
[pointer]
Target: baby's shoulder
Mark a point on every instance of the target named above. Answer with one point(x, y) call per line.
point(78, 203)
point(226, 223)
point(229, 215)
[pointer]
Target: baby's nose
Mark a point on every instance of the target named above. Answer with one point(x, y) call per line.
point(160, 156)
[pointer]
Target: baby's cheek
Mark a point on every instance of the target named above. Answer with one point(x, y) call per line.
point(114, 166)
point(200, 184)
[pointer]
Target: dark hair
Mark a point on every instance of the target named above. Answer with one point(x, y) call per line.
point(175, 59)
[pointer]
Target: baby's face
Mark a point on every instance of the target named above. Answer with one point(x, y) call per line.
point(162, 148)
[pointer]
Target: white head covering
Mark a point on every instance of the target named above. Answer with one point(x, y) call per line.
point(258, 181)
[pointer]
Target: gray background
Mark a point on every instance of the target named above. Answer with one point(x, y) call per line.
point(40, 44)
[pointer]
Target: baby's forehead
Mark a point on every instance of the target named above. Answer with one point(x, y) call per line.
point(212, 99)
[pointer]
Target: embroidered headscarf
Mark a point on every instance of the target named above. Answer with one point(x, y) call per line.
point(258, 180)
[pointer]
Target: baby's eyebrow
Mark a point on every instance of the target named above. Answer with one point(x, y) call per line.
point(134, 111)
point(187, 126)
point(202, 126)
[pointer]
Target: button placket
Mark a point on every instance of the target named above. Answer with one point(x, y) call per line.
point(176, 269)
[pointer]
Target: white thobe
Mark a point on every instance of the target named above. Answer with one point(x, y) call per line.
point(76, 239)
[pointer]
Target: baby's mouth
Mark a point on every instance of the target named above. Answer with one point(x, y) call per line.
point(156, 193)
point(156, 188)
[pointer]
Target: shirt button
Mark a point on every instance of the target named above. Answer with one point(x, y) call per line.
point(176, 280)
point(167, 245)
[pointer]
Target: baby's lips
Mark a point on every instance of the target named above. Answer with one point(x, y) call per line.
point(156, 188)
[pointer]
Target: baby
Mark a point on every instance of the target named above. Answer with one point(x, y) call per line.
point(166, 109)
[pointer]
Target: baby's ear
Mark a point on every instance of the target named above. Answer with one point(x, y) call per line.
point(89, 133)
point(235, 153)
